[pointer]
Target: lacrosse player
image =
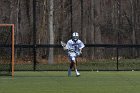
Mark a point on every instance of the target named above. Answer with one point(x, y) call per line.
point(74, 48)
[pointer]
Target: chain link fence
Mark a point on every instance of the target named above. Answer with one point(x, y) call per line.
point(102, 57)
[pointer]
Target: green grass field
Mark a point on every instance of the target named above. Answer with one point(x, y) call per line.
point(58, 82)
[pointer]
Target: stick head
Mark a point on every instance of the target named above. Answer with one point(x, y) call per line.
point(63, 44)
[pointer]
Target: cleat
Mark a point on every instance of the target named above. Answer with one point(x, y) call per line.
point(78, 74)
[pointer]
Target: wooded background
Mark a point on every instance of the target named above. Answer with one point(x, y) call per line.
point(97, 21)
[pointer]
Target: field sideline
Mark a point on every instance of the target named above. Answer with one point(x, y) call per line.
point(58, 82)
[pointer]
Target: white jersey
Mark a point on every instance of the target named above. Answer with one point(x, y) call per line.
point(74, 47)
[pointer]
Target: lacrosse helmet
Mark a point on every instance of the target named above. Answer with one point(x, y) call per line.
point(75, 36)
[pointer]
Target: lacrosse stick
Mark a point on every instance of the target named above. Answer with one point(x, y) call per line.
point(63, 45)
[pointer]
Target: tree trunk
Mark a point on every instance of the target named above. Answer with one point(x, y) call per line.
point(51, 30)
point(93, 27)
point(133, 22)
point(133, 26)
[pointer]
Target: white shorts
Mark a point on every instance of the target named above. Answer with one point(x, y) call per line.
point(72, 56)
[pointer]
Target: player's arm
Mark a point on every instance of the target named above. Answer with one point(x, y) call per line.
point(81, 46)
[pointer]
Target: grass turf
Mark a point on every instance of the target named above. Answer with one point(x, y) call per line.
point(58, 82)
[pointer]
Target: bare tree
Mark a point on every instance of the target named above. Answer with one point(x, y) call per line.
point(17, 19)
point(132, 2)
point(51, 30)
point(133, 21)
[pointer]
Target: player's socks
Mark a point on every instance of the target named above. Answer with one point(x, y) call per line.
point(69, 72)
point(77, 73)
point(76, 70)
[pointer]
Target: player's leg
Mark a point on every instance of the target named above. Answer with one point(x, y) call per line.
point(70, 68)
point(75, 67)
point(73, 63)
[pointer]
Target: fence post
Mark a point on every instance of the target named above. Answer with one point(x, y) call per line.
point(34, 34)
point(117, 50)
